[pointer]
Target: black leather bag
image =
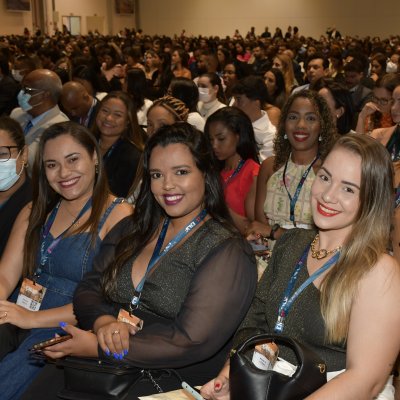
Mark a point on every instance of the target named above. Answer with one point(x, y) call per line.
point(251, 383)
point(88, 378)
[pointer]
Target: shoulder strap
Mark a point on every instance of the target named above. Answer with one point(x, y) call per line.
point(117, 200)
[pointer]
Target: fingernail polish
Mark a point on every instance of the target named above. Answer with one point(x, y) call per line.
point(107, 352)
point(125, 352)
point(121, 355)
point(116, 356)
point(63, 324)
point(217, 386)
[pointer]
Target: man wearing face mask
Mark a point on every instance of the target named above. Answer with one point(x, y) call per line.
point(38, 109)
point(8, 88)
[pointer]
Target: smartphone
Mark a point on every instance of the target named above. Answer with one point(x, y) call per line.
point(192, 391)
point(50, 342)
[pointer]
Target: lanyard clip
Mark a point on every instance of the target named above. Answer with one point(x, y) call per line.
point(135, 301)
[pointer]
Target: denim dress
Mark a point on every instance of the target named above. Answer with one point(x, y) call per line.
point(60, 274)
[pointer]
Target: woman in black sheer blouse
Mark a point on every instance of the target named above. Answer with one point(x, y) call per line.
point(196, 295)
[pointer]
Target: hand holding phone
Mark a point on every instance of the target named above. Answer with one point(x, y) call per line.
point(50, 342)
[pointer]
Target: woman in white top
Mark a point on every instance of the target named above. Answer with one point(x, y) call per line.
point(186, 90)
point(211, 94)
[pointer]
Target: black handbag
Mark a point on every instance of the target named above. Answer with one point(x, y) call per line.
point(89, 378)
point(251, 383)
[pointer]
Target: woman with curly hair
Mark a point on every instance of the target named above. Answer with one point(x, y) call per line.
point(306, 133)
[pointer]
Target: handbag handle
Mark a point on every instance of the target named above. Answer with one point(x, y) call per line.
point(298, 348)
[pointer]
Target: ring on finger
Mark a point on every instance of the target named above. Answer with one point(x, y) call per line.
point(116, 332)
point(5, 315)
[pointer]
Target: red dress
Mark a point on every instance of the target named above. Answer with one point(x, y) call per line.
point(237, 187)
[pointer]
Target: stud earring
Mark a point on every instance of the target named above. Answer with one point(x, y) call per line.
point(320, 139)
point(285, 136)
point(96, 168)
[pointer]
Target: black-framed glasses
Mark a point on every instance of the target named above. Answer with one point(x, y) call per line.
point(5, 152)
point(30, 90)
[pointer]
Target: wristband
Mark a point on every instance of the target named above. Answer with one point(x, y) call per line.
point(274, 228)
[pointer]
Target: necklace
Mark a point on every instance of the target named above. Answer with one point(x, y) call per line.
point(75, 217)
point(321, 253)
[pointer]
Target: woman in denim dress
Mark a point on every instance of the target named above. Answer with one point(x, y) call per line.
point(51, 247)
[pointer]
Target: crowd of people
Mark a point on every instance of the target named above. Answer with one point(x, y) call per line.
point(195, 184)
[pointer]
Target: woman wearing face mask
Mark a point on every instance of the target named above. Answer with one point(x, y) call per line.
point(211, 94)
point(121, 140)
point(186, 90)
point(15, 185)
point(51, 246)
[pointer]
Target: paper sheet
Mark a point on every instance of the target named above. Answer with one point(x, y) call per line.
point(174, 395)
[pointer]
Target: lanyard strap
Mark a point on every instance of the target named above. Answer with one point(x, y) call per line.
point(45, 252)
point(234, 173)
point(108, 153)
point(288, 301)
point(158, 254)
point(293, 200)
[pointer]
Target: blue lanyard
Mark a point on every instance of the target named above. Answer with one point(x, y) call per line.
point(235, 172)
point(158, 254)
point(288, 301)
point(293, 200)
point(46, 252)
point(108, 153)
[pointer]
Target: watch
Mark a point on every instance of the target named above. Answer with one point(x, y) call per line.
point(274, 228)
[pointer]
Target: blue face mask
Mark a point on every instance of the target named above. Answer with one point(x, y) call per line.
point(24, 98)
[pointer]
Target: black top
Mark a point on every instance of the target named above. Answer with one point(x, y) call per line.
point(191, 303)
point(121, 162)
point(304, 321)
point(10, 210)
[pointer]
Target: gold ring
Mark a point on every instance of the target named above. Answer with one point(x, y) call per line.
point(5, 314)
point(116, 332)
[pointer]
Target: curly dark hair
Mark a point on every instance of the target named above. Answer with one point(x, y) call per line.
point(282, 148)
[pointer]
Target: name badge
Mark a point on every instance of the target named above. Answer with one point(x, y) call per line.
point(124, 316)
point(31, 295)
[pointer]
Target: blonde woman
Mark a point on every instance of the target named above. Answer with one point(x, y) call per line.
point(348, 313)
point(284, 63)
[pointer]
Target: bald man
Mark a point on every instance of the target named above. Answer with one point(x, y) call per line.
point(38, 109)
point(79, 105)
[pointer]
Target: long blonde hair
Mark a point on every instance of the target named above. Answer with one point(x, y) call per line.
point(369, 237)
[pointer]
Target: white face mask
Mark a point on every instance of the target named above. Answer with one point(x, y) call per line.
point(391, 67)
point(204, 95)
point(8, 174)
point(17, 75)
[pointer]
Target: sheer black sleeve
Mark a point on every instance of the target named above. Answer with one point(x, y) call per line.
point(220, 294)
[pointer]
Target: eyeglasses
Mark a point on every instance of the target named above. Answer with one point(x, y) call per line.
point(5, 152)
point(30, 90)
point(382, 101)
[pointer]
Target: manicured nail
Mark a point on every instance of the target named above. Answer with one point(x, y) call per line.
point(116, 356)
point(217, 386)
point(63, 324)
point(121, 356)
point(125, 352)
point(107, 352)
